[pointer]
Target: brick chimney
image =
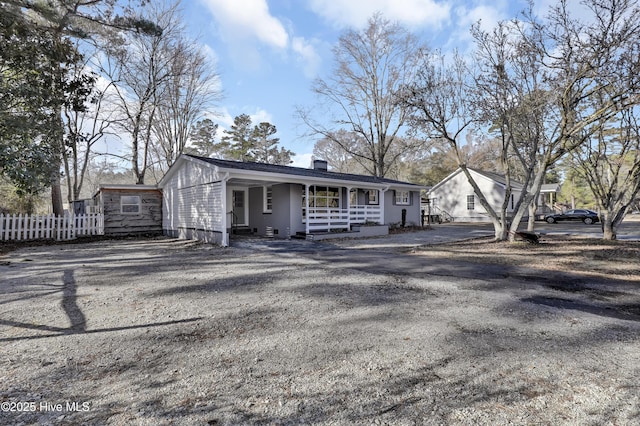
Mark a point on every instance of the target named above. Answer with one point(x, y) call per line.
point(320, 165)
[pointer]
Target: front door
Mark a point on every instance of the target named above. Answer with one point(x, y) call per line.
point(238, 199)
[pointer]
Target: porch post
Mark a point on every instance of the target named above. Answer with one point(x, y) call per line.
point(225, 234)
point(381, 201)
point(306, 208)
point(349, 208)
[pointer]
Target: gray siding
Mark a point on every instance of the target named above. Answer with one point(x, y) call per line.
point(295, 207)
point(280, 219)
point(393, 211)
point(286, 215)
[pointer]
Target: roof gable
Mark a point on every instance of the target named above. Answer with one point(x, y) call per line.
point(495, 177)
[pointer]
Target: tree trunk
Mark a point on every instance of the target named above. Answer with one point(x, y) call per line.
point(531, 223)
point(609, 228)
point(500, 231)
point(56, 195)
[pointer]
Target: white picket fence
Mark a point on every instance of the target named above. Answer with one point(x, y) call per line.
point(32, 227)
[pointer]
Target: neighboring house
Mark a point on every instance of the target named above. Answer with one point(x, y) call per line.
point(547, 200)
point(129, 209)
point(210, 199)
point(454, 199)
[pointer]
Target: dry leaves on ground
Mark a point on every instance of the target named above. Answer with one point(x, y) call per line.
point(596, 257)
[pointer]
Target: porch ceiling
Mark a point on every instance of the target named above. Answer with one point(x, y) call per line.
point(249, 182)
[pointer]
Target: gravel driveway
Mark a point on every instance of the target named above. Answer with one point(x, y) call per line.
point(173, 332)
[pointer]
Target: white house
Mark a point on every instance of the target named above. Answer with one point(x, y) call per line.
point(454, 199)
point(211, 199)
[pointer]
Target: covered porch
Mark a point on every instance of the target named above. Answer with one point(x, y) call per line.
point(285, 209)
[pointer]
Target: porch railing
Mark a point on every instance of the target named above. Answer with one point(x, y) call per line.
point(362, 214)
point(328, 219)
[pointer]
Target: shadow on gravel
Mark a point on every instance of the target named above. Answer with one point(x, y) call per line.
point(244, 283)
point(441, 391)
point(61, 331)
point(384, 262)
point(627, 312)
point(70, 304)
point(369, 295)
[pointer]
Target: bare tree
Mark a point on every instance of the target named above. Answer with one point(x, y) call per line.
point(441, 103)
point(361, 96)
point(85, 125)
point(336, 156)
point(141, 65)
point(594, 73)
point(513, 98)
point(542, 87)
point(610, 164)
point(191, 89)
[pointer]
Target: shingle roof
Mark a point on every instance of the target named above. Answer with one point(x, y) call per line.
point(299, 171)
point(496, 177)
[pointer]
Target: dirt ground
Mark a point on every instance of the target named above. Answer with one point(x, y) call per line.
point(587, 257)
point(165, 331)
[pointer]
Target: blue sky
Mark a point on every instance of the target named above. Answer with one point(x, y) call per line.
point(268, 52)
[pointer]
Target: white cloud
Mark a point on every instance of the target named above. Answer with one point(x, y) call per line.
point(302, 160)
point(487, 15)
point(224, 120)
point(246, 24)
point(465, 17)
point(224, 117)
point(355, 13)
point(248, 19)
point(260, 116)
point(308, 57)
point(211, 54)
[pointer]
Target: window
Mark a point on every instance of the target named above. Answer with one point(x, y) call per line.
point(471, 202)
point(130, 204)
point(322, 196)
point(373, 196)
point(267, 193)
point(353, 197)
point(403, 197)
